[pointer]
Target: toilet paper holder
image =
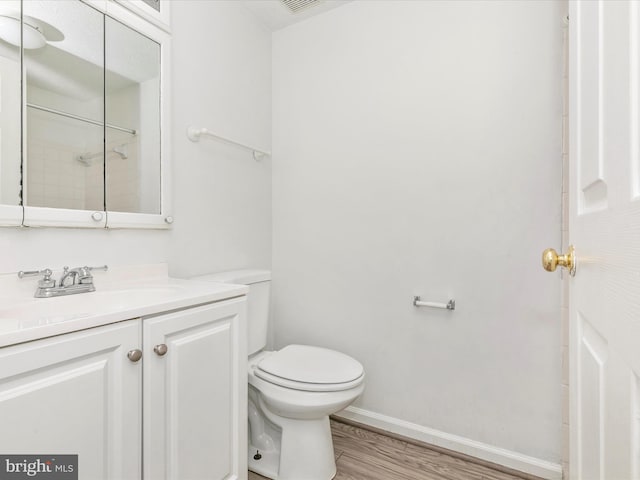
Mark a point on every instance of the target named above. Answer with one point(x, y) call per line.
point(450, 305)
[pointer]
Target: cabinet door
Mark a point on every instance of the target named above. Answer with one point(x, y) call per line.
point(195, 394)
point(75, 394)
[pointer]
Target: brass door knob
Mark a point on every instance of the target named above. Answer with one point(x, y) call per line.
point(551, 259)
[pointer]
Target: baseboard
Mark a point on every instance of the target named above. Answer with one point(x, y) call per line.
point(488, 453)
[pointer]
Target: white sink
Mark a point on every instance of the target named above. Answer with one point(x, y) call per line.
point(135, 296)
point(86, 304)
point(26, 318)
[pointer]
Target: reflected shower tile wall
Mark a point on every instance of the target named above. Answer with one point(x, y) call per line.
point(123, 179)
point(55, 178)
point(94, 187)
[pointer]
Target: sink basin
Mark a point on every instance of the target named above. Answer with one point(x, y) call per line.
point(130, 293)
point(44, 311)
point(122, 299)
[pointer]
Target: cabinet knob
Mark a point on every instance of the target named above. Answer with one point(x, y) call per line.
point(134, 355)
point(160, 349)
point(97, 216)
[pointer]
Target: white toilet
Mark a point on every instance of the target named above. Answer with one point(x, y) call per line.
point(292, 392)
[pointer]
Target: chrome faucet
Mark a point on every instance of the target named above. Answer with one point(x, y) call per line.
point(79, 276)
point(81, 281)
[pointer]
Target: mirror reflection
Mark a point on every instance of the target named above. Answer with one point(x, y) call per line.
point(92, 111)
point(10, 103)
point(64, 98)
point(132, 63)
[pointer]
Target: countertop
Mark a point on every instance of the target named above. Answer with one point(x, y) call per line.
point(122, 293)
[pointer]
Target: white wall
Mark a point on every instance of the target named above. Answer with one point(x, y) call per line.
point(417, 151)
point(221, 80)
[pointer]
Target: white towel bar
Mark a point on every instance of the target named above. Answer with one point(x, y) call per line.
point(194, 135)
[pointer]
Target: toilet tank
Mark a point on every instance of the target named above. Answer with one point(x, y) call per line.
point(259, 282)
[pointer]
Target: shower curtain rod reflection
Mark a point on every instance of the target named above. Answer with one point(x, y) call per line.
point(82, 119)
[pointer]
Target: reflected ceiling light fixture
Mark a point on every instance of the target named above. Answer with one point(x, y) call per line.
point(35, 33)
point(10, 32)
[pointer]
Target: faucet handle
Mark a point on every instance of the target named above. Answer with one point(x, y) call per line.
point(47, 272)
point(45, 282)
point(102, 267)
point(84, 273)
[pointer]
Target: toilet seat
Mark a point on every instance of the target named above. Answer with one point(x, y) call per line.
point(312, 369)
point(308, 387)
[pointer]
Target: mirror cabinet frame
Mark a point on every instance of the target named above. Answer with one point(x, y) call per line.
point(11, 215)
point(161, 18)
point(31, 216)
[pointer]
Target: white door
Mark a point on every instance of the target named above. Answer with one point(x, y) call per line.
point(75, 394)
point(195, 393)
point(605, 229)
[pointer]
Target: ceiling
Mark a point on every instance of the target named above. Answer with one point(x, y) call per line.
point(275, 15)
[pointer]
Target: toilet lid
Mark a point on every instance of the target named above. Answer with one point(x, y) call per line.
point(311, 365)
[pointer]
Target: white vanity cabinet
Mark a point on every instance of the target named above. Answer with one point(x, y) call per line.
point(75, 394)
point(87, 393)
point(195, 394)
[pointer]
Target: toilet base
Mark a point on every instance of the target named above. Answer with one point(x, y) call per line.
point(291, 427)
point(267, 465)
point(306, 450)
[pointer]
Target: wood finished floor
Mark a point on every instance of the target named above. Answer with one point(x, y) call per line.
point(365, 455)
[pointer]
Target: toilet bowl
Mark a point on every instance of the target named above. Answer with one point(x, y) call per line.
point(292, 392)
point(297, 404)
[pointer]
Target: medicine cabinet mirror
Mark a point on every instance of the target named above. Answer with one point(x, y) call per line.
point(92, 114)
point(10, 124)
